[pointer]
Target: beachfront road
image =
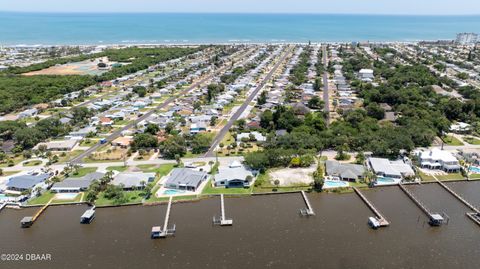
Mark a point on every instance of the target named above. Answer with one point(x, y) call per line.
point(219, 137)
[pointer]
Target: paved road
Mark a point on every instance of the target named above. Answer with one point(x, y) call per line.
point(326, 93)
point(218, 138)
point(118, 133)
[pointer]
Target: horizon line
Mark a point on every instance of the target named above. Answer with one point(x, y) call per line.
point(239, 13)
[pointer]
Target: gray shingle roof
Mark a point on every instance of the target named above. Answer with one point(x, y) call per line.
point(185, 177)
point(78, 183)
point(26, 181)
point(344, 170)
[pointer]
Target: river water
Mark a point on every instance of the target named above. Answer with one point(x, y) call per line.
point(267, 233)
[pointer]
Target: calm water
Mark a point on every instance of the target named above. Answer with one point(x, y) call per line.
point(48, 28)
point(267, 232)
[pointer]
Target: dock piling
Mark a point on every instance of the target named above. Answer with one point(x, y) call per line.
point(308, 211)
point(379, 220)
point(435, 219)
point(157, 231)
point(223, 221)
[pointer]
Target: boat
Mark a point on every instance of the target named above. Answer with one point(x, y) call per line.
point(88, 216)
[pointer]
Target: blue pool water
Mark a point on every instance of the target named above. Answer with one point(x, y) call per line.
point(3, 197)
point(173, 192)
point(385, 180)
point(475, 169)
point(335, 184)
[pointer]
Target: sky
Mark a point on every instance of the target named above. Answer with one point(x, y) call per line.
point(405, 7)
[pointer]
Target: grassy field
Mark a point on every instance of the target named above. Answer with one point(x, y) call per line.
point(425, 177)
point(84, 171)
point(453, 176)
point(32, 163)
point(69, 156)
point(472, 140)
point(452, 141)
point(209, 189)
point(42, 199)
point(132, 197)
point(117, 168)
point(9, 173)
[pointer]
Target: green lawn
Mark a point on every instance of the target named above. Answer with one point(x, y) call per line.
point(472, 140)
point(132, 196)
point(209, 189)
point(452, 141)
point(453, 176)
point(425, 177)
point(32, 163)
point(9, 173)
point(117, 168)
point(42, 199)
point(69, 156)
point(84, 171)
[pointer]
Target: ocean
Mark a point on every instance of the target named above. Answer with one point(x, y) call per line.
point(165, 28)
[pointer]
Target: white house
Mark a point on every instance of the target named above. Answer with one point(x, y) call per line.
point(439, 159)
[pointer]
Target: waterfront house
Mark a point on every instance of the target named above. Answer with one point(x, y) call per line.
point(185, 179)
point(344, 171)
point(76, 184)
point(439, 159)
point(392, 169)
point(27, 182)
point(233, 176)
point(133, 181)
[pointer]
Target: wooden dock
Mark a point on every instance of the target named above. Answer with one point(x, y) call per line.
point(456, 195)
point(223, 221)
point(2, 206)
point(382, 221)
point(157, 231)
point(308, 211)
point(26, 222)
point(435, 219)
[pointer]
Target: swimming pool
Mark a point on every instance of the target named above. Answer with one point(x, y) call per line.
point(386, 180)
point(65, 196)
point(4, 198)
point(475, 169)
point(335, 184)
point(173, 192)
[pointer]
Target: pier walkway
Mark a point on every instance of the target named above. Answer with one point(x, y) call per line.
point(475, 215)
point(435, 219)
point(2, 206)
point(223, 221)
point(28, 221)
point(157, 231)
point(308, 211)
point(382, 221)
point(456, 195)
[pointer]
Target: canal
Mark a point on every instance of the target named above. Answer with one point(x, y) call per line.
point(267, 231)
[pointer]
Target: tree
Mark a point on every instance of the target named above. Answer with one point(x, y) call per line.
point(315, 102)
point(174, 145)
point(140, 91)
point(143, 141)
point(318, 178)
point(201, 143)
point(262, 99)
point(360, 158)
point(375, 111)
point(152, 129)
